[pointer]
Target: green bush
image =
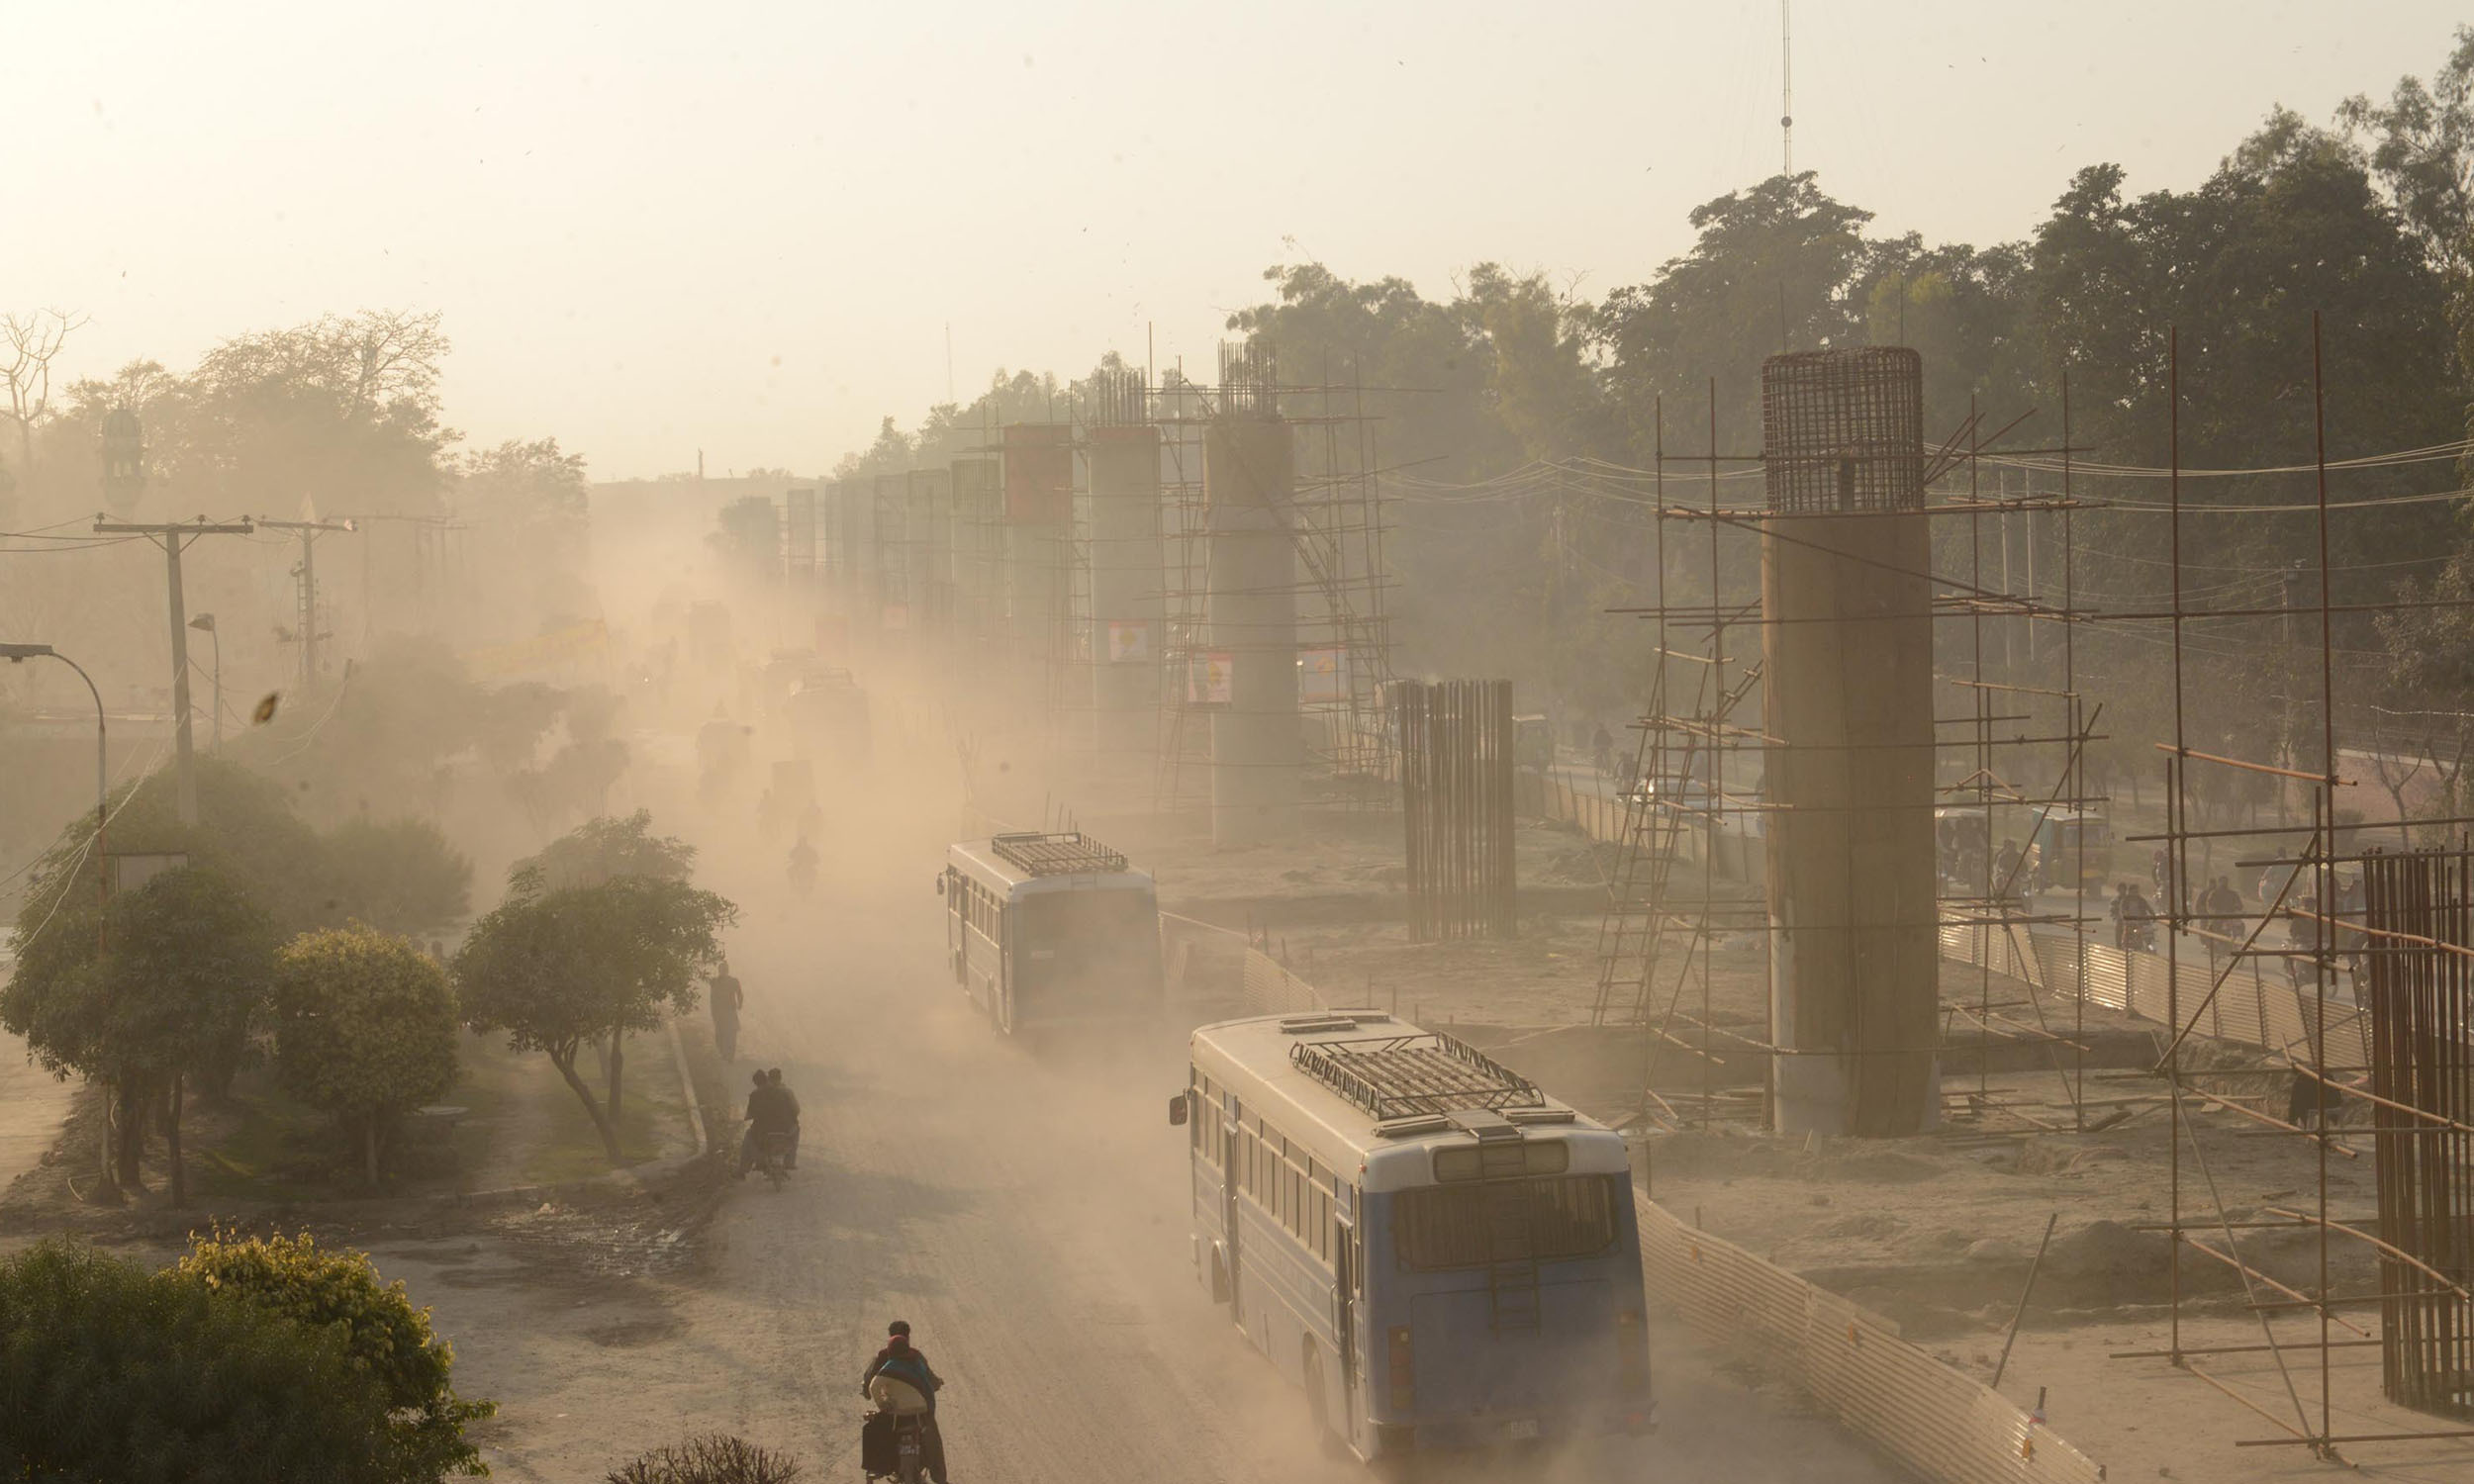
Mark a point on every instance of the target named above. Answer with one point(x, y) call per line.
point(364, 1029)
point(715, 1459)
point(112, 1374)
point(337, 1295)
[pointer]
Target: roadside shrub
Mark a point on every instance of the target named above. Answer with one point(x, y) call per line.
point(364, 1029)
point(715, 1459)
point(388, 1341)
point(114, 1374)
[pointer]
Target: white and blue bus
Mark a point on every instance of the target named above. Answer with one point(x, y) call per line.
point(1440, 1254)
point(1051, 931)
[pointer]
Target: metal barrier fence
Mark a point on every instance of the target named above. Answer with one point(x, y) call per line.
point(1271, 990)
point(2250, 1007)
point(1601, 817)
point(1946, 1426)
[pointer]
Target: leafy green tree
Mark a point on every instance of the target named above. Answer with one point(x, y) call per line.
point(1772, 269)
point(2423, 150)
point(557, 969)
point(534, 495)
point(172, 993)
point(600, 849)
point(364, 1029)
point(749, 538)
point(386, 1341)
point(401, 875)
point(576, 779)
point(113, 1374)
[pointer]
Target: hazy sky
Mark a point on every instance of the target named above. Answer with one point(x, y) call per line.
point(745, 227)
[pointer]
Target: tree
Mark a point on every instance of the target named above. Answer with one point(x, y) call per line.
point(600, 849)
point(2422, 150)
point(556, 968)
point(112, 1374)
point(31, 342)
point(386, 1342)
point(400, 876)
point(1774, 269)
point(715, 1459)
point(749, 538)
point(536, 496)
point(173, 992)
point(576, 779)
point(281, 418)
point(364, 1029)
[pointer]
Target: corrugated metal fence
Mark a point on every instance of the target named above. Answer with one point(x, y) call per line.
point(1945, 1425)
point(2252, 1008)
point(1601, 817)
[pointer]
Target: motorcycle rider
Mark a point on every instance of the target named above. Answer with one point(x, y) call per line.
point(903, 1361)
point(803, 864)
point(769, 1111)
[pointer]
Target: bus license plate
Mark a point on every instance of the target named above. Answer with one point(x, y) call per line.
point(1521, 1430)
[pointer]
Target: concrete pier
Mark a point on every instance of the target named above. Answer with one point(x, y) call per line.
point(1847, 695)
point(1258, 743)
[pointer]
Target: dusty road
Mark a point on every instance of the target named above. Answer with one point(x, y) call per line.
point(1025, 1213)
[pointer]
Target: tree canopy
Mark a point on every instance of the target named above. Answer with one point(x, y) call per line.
point(364, 1029)
point(386, 1341)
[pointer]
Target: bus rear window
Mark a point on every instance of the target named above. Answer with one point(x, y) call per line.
point(1440, 1226)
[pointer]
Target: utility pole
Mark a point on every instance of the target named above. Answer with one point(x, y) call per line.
point(1786, 91)
point(173, 537)
point(309, 531)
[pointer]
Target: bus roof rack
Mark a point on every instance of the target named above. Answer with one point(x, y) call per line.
point(1398, 1076)
point(1058, 853)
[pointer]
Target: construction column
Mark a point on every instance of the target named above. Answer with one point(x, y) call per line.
point(1127, 584)
point(1039, 520)
point(1848, 704)
point(1249, 668)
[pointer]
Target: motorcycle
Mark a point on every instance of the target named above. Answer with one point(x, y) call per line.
point(773, 1158)
point(894, 1443)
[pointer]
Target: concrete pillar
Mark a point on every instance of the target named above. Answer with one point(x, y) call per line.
point(1125, 586)
point(1258, 744)
point(1039, 520)
point(979, 574)
point(1848, 697)
point(930, 529)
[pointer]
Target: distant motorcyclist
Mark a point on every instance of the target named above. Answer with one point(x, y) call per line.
point(2139, 920)
point(902, 1362)
point(769, 1111)
point(802, 867)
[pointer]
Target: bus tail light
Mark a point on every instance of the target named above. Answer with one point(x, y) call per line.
point(1403, 1366)
point(1632, 1351)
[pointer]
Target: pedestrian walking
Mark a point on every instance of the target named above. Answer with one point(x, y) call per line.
point(727, 1000)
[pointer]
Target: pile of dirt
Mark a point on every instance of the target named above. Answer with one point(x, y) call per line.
point(2107, 1263)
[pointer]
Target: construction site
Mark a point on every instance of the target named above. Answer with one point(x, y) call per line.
point(1507, 773)
point(1841, 940)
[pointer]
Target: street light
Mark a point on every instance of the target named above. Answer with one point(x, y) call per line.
point(19, 654)
point(205, 623)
